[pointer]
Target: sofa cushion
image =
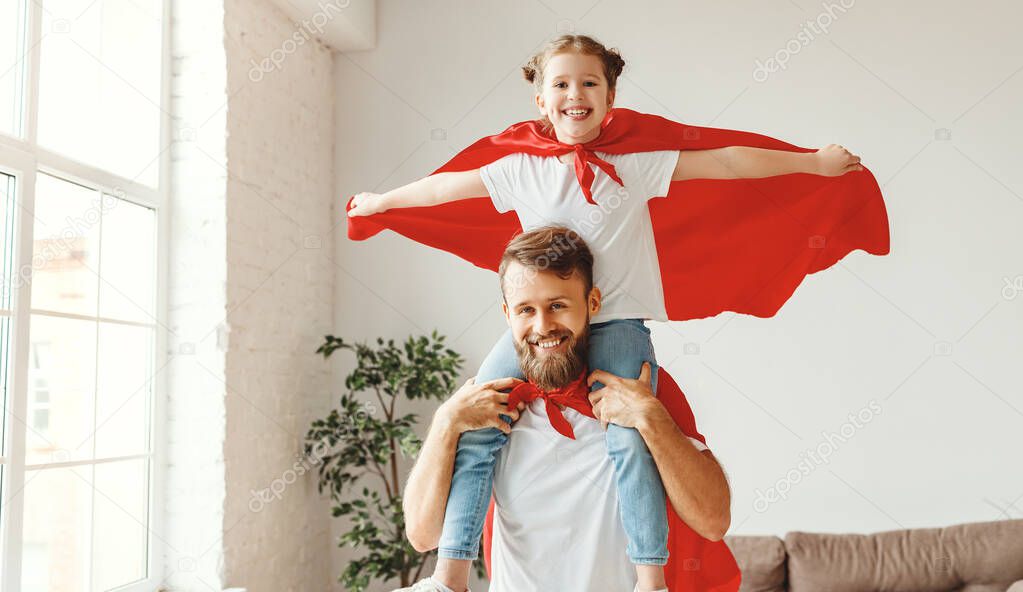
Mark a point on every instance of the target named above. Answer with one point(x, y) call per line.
point(902, 561)
point(761, 560)
point(985, 553)
point(969, 557)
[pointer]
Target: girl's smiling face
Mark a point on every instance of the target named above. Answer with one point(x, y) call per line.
point(575, 96)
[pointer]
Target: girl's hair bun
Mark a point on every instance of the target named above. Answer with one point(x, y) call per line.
point(529, 71)
point(615, 64)
point(610, 58)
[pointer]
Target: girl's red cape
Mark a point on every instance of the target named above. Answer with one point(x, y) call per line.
point(740, 245)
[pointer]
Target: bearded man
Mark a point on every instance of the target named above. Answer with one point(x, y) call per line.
point(557, 507)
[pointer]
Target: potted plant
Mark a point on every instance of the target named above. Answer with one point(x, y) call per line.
point(363, 439)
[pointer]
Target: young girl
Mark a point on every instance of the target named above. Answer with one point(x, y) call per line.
point(575, 78)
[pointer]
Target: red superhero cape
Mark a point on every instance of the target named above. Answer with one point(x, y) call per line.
point(695, 564)
point(740, 245)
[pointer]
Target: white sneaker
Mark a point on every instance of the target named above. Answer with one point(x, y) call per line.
point(427, 584)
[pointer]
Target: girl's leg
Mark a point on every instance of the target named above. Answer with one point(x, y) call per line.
point(620, 347)
point(473, 478)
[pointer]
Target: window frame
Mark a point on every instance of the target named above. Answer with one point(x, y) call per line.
point(22, 158)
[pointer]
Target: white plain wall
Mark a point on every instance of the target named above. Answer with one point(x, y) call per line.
point(924, 332)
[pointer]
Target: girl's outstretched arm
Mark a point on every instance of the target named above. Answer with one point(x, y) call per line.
point(743, 162)
point(428, 191)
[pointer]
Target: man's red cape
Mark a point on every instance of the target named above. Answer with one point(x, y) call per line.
point(695, 564)
point(740, 245)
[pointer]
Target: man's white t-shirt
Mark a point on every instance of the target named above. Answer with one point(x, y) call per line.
point(556, 519)
point(543, 191)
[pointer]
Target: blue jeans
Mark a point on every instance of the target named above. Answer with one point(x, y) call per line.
point(619, 347)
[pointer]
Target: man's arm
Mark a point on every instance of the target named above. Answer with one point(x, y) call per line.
point(744, 162)
point(693, 480)
point(472, 407)
point(426, 493)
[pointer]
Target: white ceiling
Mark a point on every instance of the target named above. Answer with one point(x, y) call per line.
point(345, 25)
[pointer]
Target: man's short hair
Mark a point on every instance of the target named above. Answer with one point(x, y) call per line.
point(550, 248)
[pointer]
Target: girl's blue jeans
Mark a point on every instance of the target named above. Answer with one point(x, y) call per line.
point(619, 347)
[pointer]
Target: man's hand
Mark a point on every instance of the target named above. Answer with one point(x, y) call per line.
point(834, 160)
point(472, 407)
point(477, 406)
point(622, 401)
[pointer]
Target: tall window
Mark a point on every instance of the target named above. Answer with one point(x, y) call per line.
point(38, 417)
point(83, 158)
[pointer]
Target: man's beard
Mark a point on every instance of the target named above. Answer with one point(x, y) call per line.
point(554, 370)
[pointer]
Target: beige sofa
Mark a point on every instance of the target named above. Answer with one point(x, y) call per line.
point(979, 557)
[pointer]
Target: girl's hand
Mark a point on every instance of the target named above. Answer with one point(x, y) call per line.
point(834, 160)
point(367, 204)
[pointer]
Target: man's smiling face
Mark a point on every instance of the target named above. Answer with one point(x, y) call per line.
point(550, 318)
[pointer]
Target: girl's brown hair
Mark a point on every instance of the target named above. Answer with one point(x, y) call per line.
point(612, 61)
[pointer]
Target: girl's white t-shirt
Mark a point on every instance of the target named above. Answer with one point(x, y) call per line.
point(544, 191)
point(556, 520)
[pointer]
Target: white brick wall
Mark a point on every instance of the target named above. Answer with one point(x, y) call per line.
point(194, 489)
point(279, 293)
point(252, 219)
